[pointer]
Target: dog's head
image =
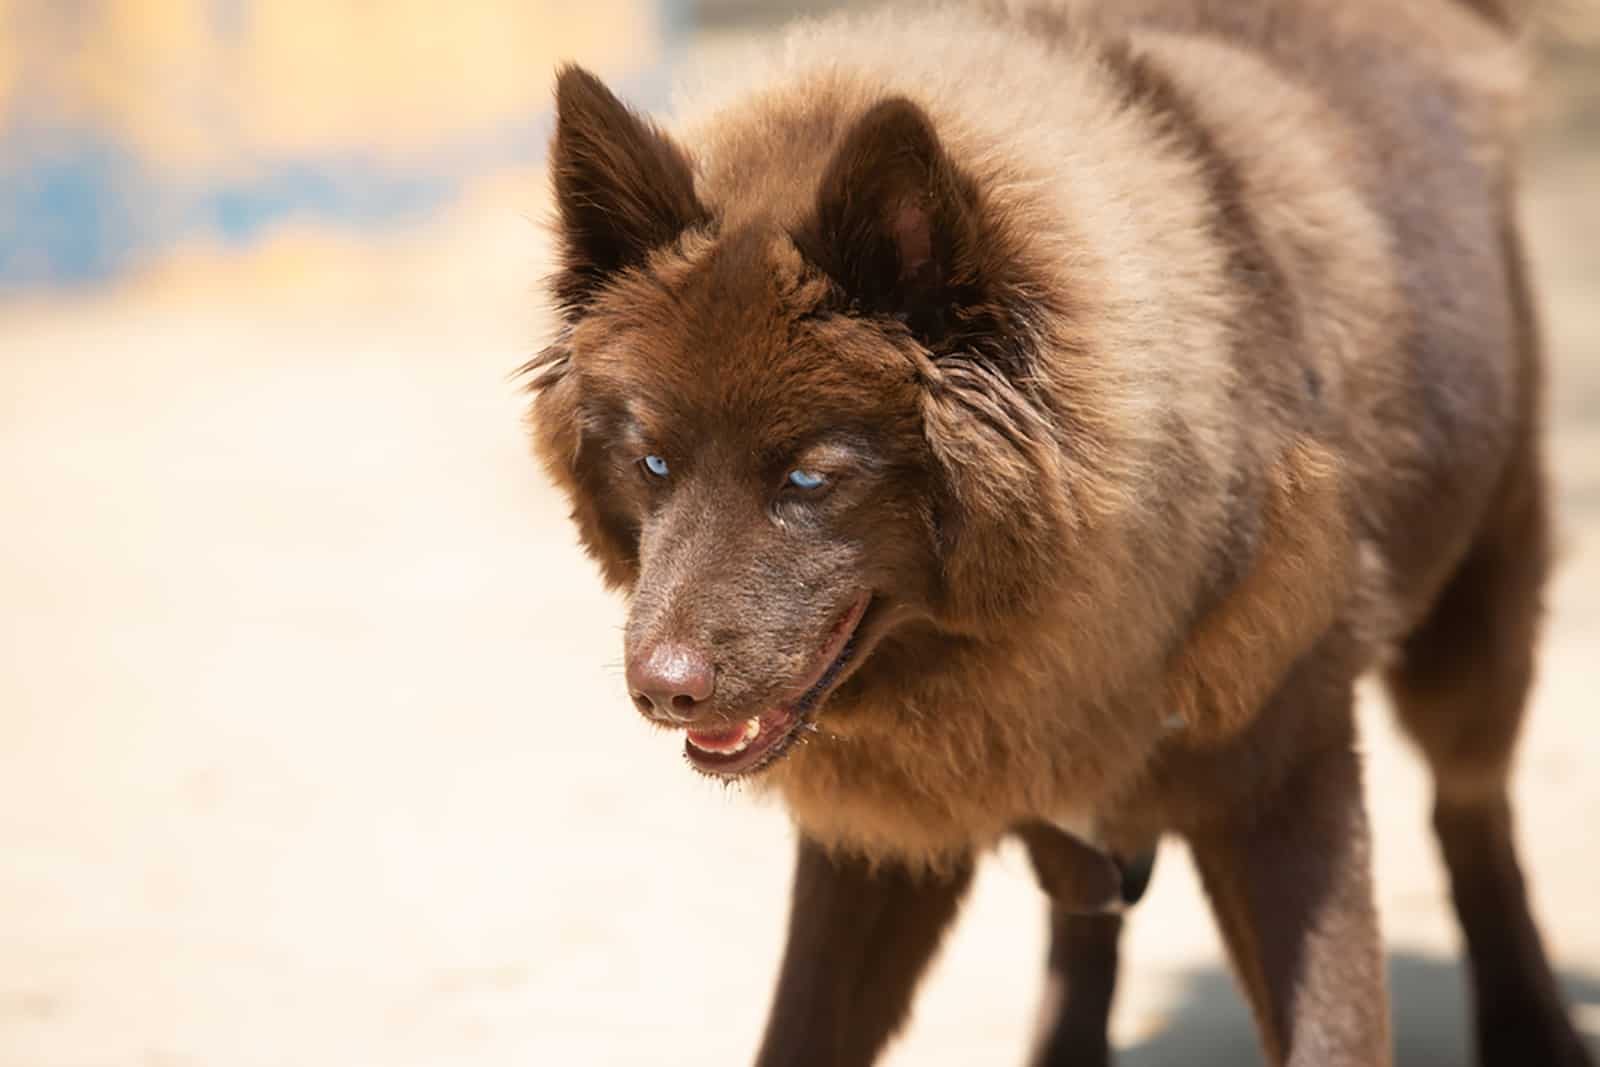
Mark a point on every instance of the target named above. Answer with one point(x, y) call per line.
point(789, 433)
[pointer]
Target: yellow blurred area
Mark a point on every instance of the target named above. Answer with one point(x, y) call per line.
point(197, 82)
point(194, 146)
point(9, 58)
point(311, 262)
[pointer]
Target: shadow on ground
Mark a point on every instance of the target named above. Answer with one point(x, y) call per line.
point(1211, 1027)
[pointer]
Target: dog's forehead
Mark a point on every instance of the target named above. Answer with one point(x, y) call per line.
point(748, 281)
point(737, 335)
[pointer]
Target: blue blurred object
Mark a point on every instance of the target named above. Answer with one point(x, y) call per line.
point(82, 203)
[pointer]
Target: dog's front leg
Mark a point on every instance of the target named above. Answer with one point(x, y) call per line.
point(1291, 886)
point(860, 936)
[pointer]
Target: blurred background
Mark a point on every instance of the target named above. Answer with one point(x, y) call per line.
point(313, 740)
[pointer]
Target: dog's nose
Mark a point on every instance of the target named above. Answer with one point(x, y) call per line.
point(671, 682)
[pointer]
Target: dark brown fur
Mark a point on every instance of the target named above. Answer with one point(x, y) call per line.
point(1163, 379)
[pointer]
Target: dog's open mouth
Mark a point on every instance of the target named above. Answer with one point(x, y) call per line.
point(735, 749)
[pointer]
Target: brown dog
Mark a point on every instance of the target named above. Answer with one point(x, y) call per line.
point(1033, 419)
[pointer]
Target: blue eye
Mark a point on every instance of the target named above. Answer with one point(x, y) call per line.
point(656, 465)
point(805, 479)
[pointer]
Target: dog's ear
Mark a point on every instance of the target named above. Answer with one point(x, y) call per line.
point(896, 223)
point(622, 187)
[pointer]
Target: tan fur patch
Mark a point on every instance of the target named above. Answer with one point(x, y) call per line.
point(1299, 581)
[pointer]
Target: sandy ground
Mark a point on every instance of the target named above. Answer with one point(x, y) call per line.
point(315, 749)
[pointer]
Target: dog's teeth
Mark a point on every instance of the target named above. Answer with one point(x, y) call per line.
point(752, 730)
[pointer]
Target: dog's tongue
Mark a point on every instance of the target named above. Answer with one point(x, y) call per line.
point(725, 739)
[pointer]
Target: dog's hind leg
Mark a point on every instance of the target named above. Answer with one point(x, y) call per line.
point(1460, 688)
point(860, 937)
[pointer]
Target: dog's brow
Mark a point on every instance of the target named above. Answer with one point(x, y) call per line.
point(830, 448)
point(632, 426)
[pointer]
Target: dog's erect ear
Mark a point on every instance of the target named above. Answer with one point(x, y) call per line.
point(622, 187)
point(896, 223)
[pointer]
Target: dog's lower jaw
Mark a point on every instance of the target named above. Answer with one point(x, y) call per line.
point(752, 746)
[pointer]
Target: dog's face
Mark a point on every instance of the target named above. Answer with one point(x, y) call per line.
point(763, 474)
point(746, 415)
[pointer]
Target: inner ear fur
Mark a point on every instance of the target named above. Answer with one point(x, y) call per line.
point(895, 224)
